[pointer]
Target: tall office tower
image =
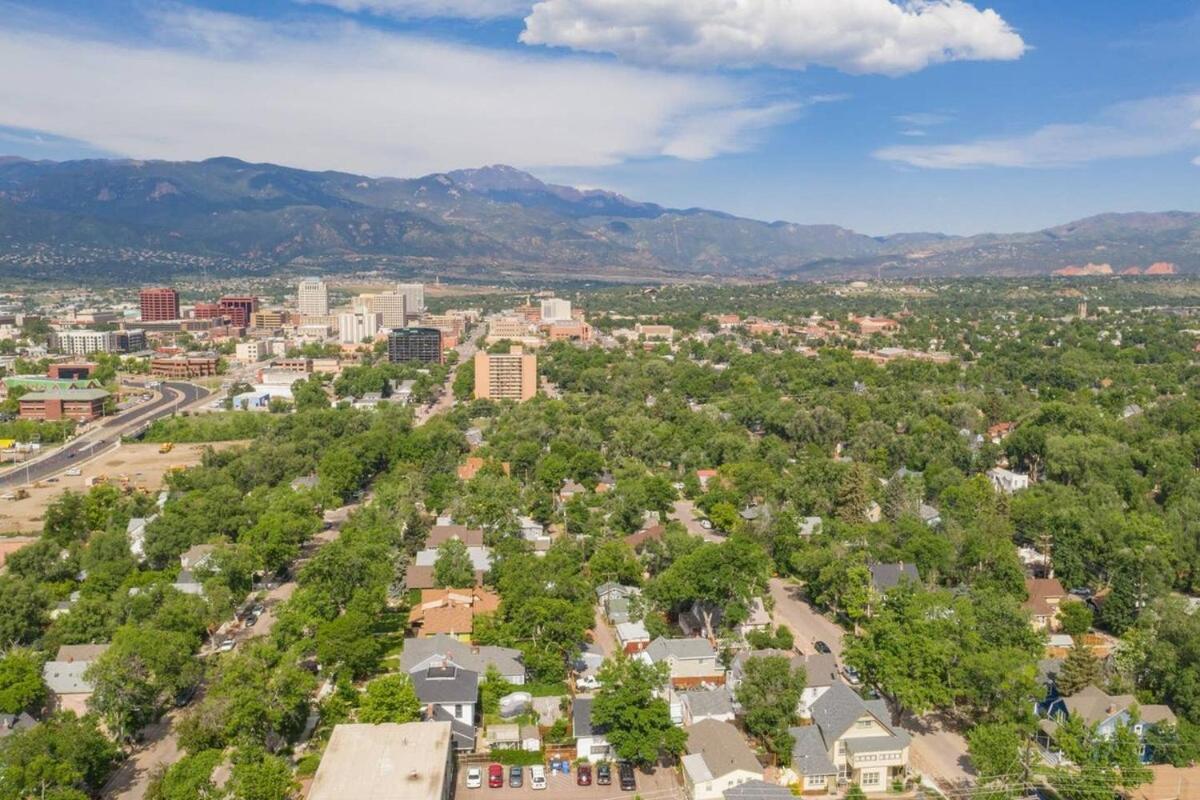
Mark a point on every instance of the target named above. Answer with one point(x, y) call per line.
point(355, 326)
point(414, 299)
point(555, 310)
point(312, 297)
point(505, 376)
point(240, 308)
point(390, 306)
point(159, 303)
point(415, 344)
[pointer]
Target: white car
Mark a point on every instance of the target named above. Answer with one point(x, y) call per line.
point(706, 525)
point(474, 778)
point(226, 646)
point(73, 471)
point(537, 777)
point(587, 682)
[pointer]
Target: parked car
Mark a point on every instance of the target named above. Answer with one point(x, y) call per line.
point(708, 526)
point(587, 682)
point(495, 776)
point(516, 777)
point(821, 647)
point(73, 472)
point(537, 777)
point(852, 676)
point(584, 776)
point(226, 645)
point(628, 781)
point(603, 774)
point(474, 778)
point(251, 620)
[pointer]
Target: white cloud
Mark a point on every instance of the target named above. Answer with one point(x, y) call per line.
point(340, 96)
point(423, 9)
point(856, 36)
point(923, 119)
point(1151, 127)
point(1196, 161)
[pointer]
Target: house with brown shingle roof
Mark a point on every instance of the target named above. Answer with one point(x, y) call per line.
point(1045, 597)
point(451, 611)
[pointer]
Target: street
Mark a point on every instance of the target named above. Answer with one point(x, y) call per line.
point(685, 512)
point(105, 435)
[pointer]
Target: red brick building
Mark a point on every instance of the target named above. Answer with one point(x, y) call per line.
point(158, 304)
point(239, 309)
point(183, 367)
point(71, 371)
point(77, 404)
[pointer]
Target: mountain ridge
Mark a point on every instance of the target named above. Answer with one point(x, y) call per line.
point(127, 215)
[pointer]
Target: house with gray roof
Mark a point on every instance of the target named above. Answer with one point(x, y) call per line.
point(701, 704)
point(717, 759)
point(758, 790)
point(15, 723)
point(591, 742)
point(850, 739)
point(421, 653)
point(449, 693)
point(691, 663)
point(64, 676)
point(1106, 713)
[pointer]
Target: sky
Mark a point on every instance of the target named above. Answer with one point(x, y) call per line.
point(880, 115)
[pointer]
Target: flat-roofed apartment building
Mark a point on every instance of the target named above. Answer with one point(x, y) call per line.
point(506, 376)
point(159, 303)
point(409, 761)
point(390, 306)
point(415, 344)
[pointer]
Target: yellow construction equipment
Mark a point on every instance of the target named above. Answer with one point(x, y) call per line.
point(166, 447)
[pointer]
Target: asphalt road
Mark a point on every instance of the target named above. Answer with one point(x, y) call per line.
point(105, 436)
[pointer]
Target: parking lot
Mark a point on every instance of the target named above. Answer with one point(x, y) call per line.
point(662, 784)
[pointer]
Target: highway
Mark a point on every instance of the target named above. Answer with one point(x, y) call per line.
point(106, 434)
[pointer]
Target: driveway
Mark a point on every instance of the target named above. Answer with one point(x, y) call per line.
point(685, 512)
point(939, 752)
point(603, 635)
point(808, 624)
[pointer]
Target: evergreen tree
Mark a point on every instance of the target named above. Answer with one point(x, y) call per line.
point(854, 494)
point(1080, 669)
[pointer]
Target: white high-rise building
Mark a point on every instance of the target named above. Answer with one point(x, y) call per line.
point(555, 309)
point(355, 326)
point(312, 298)
point(390, 306)
point(414, 299)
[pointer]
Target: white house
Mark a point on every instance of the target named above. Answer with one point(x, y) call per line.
point(690, 662)
point(717, 759)
point(1007, 481)
point(591, 744)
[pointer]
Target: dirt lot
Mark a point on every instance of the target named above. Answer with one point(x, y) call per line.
point(141, 463)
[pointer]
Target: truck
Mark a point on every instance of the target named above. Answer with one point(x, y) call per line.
point(73, 472)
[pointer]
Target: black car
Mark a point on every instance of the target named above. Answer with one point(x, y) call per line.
point(628, 782)
point(821, 647)
point(516, 777)
point(603, 774)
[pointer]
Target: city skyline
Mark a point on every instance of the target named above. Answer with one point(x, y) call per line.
point(946, 116)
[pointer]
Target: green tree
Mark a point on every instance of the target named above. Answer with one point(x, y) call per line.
point(769, 694)
point(453, 567)
point(190, 778)
point(1075, 618)
point(257, 775)
point(995, 750)
point(348, 641)
point(61, 755)
point(23, 609)
point(638, 721)
point(1080, 669)
point(854, 494)
point(614, 560)
point(21, 685)
point(389, 699)
point(722, 577)
point(310, 394)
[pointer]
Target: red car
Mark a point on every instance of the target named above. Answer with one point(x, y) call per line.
point(583, 775)
point(495, 776)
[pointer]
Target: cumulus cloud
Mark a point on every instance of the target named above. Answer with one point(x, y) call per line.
point(422, 9)
point(1137, 129)
point(855, 36)
point(342, 96)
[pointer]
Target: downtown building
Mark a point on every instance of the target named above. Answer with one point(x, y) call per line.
point(506, 376)
point(312, 298)
point(159, 304)
point(414, 299)
point(415, 344)
point(239, 308)
point(355, 326)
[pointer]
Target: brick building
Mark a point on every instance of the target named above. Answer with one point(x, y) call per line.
point(82, 405)
point(159, 303)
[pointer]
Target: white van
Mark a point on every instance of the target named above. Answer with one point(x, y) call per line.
point(537, 777)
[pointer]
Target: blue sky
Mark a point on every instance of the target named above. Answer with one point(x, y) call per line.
point(883, 116)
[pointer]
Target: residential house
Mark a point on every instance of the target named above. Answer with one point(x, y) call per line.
point(820, 673)
point(451, 611)
point(1106, 713)
point(850, 739)
point(197, 557)
point(15, 723)
point(135, 529)
point(704, 476)
point(929, 515)
point(449, 693)
point(810, 526)
point(717, 759)
point(187, 583)
point(1000, 431)
point(511, 736)
point(568, 490)
point(691, 621)
point(652, 532)
point(1046, 595)
point(615, 599)
point(1007, 481)
point(690, 663)
point(591, 743)
point(886, 577)
point(632, 636)
point(420, 653)
point(758, 790)
point(420, 573)
point(69, 690)
point(705, 704)
point(535, 533)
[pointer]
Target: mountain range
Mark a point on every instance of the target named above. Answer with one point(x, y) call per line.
point(142, 219)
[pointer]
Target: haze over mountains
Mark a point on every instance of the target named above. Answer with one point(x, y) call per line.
point(139, 219)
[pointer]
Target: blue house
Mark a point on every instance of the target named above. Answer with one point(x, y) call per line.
point(1105, 713)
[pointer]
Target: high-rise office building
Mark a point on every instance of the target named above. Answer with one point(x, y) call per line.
point(390, 306)
point(415, 344)
point(312, 297)
point(239, 308)
point(555, 309)
point(159, 303)
point(505, 376)
point(414, 299)
point(355, 326)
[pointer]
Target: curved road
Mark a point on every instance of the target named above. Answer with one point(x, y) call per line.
point(105, 436)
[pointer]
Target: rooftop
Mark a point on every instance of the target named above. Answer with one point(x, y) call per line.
point(384, 762)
